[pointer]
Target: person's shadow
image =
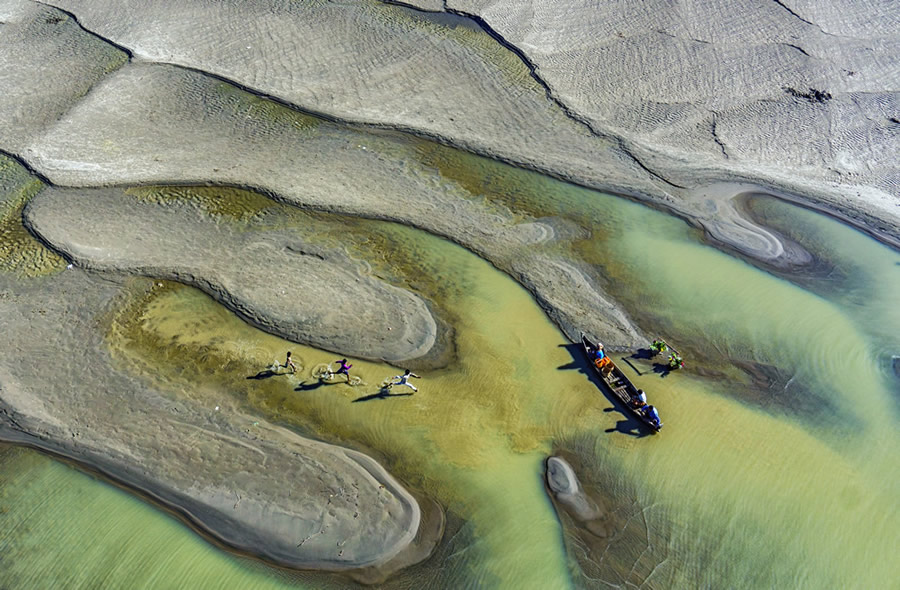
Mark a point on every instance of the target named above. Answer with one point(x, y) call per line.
point(662, 369)
point(383, 393)
point(264, 374)
point(629, 424)
point(642, 354)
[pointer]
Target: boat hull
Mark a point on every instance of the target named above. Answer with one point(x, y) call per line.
point(617, 383)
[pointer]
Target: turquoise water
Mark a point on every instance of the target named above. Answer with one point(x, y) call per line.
point(789, 480)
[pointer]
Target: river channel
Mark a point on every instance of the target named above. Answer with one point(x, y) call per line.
point(778, 466)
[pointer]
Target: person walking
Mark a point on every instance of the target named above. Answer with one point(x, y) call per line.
point(289, 363)
point(404, 380)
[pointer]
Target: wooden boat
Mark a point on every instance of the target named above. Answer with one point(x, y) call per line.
point(616, 381)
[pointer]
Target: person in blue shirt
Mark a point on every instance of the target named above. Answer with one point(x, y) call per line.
point(602, 362)
point(640, 400)
point(651, 413)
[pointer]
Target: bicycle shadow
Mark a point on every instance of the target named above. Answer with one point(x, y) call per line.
point(264, 374)
point(662, 369)
point(644, 354)
point(382, 393)
point(304, 386)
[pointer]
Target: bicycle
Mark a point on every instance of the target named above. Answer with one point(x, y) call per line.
point(323, 372)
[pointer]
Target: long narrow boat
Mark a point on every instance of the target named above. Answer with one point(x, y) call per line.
point(616, 381)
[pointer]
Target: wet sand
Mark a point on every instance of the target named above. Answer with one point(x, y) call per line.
point(230, 473)
point(102, 96)
point(274, 280)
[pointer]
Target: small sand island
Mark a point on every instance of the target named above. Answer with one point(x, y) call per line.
point(255, 486)
point(272, 279)
point(142, 147)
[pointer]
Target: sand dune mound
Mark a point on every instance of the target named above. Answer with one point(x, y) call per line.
point(273, 279)
point(194, 127)
point(47, 63)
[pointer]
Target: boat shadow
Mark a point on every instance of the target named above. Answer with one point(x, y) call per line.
point(628, 424)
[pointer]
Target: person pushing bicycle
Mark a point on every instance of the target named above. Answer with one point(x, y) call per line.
point(344, 369)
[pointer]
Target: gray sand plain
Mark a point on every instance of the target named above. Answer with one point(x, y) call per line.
point(216, 132)
point(652, 100)
point(684, 106)
point(38, 45)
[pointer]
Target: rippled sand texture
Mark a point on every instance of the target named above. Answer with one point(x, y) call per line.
point(227, 480)
point(19, 251)
point(273, 279)
point(353, 112)
point(195, 128)
point(727, 83)
point(651, 100)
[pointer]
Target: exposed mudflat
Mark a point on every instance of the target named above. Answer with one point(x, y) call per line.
point(655, 101)
point(213, 131)
point(256, 486)
point(356, 108)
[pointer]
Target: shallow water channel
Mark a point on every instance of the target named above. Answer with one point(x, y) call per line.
point(777, 467)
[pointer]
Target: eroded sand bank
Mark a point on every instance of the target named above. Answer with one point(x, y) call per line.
point(273, 279)
point(219, 133)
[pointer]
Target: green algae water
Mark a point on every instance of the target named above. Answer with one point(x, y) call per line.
point(777, 467)
point(60, 528)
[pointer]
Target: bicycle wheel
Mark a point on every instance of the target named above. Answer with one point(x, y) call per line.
point(354, 380)
point(322, 371)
